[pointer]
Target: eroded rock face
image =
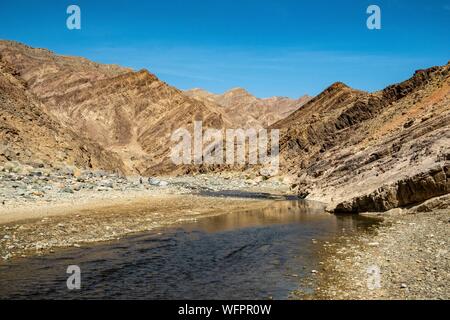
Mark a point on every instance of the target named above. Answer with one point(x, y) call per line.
point(30, 135)
point(406, 192)
point(439, 203)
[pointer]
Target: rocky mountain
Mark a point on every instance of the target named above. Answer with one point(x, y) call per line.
point(31, 136)
point(132, 114)
point(355, 150)
point(246, 110)
point(362, 151)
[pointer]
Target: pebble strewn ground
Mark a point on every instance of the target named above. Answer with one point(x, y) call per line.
point(24, 185)
point(409, 249)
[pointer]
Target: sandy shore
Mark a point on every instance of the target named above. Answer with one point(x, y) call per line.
point(69, 206)
point(407, 256)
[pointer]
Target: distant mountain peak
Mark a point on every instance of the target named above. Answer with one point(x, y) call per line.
point(244, 109)
point(238, 90)
point(338, 85)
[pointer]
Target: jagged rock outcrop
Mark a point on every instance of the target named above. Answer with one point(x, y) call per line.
point(402, 193)
point(433, 204)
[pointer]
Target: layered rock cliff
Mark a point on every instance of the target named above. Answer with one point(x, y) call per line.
point(362, 151)
point(28, 134)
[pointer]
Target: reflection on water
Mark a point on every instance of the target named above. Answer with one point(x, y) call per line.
point(276, 212)
point(255, 254)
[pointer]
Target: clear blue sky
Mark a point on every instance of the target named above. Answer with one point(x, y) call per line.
point(276, 47)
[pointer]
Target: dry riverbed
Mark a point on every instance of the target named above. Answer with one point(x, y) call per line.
point(410, 249)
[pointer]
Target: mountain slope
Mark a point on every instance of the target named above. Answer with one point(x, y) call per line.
point(130, 113)
point(372, 152)
point(29, 135)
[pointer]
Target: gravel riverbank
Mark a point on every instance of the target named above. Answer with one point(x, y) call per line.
point(25, 188)
point(405, 257)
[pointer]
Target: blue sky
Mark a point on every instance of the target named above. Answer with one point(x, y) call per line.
point(277, 47)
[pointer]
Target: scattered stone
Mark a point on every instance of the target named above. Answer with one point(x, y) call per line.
point(163, 184)
point(153, 181)
point(67, 190)
point(55, 185)
point(7, 256)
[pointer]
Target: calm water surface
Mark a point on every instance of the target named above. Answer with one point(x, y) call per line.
point(254, 254)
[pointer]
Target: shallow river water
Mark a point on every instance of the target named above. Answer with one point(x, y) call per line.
point(254, 254)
